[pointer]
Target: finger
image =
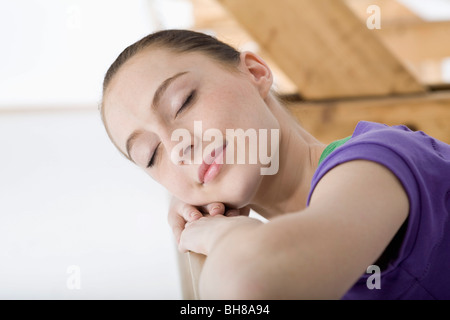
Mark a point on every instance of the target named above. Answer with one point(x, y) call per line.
point(177, 228)
point(215, 208)
point(179, 208)
point(182, 246)
point(189, 213)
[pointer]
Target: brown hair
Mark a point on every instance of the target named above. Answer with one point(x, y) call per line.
point(179, 41)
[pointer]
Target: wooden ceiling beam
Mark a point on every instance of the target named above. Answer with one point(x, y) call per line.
point(211, 17)
point(323, 47)
point(418, 41)
point(332, 120)
point(392, 11)
point(421, 45)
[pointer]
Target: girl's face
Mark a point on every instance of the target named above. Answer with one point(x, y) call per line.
point(157, 93)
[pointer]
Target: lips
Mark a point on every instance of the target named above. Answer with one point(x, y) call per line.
point(209, 168)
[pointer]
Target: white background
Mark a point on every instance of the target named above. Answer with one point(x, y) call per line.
point(67, 197)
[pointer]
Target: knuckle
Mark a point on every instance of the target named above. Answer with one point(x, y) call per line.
point(216, 208)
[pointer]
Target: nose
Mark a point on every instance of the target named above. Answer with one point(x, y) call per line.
point(187, 155)
point(185, 148)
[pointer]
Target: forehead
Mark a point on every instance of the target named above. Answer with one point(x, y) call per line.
point(151, 67)
point(145, 71)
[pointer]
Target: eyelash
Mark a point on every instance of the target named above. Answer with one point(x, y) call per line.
point(152, 160)
point(186, 103)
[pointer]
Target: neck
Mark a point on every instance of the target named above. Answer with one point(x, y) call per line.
point(299, 154)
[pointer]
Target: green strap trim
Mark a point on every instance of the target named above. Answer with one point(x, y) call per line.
point(331, 147)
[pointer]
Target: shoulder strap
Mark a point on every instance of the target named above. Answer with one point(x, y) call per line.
point(331, 147)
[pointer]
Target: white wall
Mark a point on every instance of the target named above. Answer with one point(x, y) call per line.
point(68, 198)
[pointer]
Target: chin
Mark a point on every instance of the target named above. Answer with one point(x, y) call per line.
point(240, 186)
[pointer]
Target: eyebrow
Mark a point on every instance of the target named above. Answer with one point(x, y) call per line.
point(130, 141)
point(155, 103)
point(163, 87)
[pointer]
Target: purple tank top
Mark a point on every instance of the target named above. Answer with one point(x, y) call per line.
point(421, 267)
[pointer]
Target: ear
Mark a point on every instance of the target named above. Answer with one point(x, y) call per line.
point(260, 74)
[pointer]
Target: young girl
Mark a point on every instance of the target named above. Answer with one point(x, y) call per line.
point(363, 218)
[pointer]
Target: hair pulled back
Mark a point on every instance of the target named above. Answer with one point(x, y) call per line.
point(179, 41)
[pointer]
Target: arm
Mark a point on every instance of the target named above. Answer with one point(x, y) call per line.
point(355, 211)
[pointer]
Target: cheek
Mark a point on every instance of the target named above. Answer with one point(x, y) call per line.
point(174, 182)
point(228, 105)
point(179, 184)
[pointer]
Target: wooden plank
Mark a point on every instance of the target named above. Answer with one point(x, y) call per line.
point(187, 288)
point(212, 18)
point(422, 45)
point(392, 11)
point(332, 120)
point(418, 41)
point(323, 48)
point(196, 262)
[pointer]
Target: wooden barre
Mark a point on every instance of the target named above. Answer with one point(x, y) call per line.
point(191, 265)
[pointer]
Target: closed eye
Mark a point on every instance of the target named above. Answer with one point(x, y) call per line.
point(190, 98)
point(153, 158)
point(187, 102)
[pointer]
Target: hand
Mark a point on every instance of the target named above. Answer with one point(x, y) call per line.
point(202, 235)
point(180, 213)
